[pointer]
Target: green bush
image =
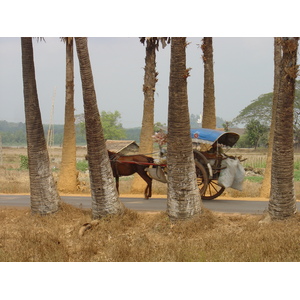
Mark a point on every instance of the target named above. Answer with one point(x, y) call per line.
point(297, 175)
point(82, 165)
point(23, 162)
point(297, 165)
point(257, 179)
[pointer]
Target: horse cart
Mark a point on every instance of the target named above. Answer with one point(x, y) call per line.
point(214, 169)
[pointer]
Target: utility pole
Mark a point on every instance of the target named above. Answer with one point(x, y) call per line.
point(50, 136)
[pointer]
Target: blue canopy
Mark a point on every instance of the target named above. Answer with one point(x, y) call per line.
point(211, 136)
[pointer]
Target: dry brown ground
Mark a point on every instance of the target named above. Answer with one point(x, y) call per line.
point(145, 237)
point(139, 236)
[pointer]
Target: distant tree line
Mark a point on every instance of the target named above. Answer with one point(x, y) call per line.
point(14, 134)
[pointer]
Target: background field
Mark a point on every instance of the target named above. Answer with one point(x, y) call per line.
point(14, 177)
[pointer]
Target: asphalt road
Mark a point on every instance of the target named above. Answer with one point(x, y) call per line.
point(154, 204)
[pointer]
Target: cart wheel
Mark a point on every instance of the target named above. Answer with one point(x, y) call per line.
point(213, 190)
point(202, 177)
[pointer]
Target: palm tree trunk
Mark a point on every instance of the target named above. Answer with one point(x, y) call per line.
point(68, 175)
point(282, 202)
point(209, 109)
point(184, 199)
point(266, 184)
point(43, 194)
point(146, 142)
point(105, 199)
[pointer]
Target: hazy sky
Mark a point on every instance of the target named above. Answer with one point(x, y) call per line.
point(243, 69)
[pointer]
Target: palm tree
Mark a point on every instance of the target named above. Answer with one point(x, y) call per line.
point(282, 202)
point(67, 181)
point(146, 141)
point(266, 184)
point(184, 199)
point(43, 194)
point(105, 199)
point(209, 109)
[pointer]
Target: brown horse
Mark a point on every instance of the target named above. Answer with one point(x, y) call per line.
point(125, 165)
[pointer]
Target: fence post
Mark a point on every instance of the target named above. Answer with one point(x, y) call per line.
point(1, 152)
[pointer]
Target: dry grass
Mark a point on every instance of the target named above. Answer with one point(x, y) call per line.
point(143, 237)
point(14, 181)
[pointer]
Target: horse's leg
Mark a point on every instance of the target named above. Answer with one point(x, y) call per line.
point(148, 190)
point(146, 194)
point(117, 183)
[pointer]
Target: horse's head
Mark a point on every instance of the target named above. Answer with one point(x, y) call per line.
point(112, 155)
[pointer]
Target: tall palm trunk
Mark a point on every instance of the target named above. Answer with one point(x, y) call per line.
point(184, 199)
point(266, 184)
point(43, 194)
point(146, 142)
point(105, 199)
point(209, 109)
point(68, 176)
point(282, 202)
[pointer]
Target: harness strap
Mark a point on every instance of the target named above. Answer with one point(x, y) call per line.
point(139, 163)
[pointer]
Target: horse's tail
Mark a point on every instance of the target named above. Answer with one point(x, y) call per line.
point(150, 159)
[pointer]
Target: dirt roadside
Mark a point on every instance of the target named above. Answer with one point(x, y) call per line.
point(153, 196)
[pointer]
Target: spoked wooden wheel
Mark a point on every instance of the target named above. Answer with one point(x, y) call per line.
point(202, 177)
point(213, 190)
